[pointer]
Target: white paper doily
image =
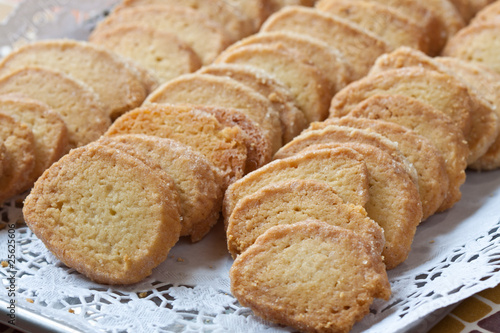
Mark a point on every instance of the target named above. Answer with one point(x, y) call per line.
point(455, 254)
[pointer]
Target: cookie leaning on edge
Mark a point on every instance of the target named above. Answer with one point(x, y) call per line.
point(294, 201)
point(112, 79)
point(195, 178)
point(74, 101)
point(311, 276)
point(104, 213)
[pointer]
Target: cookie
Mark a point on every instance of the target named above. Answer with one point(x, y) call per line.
point(325, 132)
point(430, 123)
point(294, 201)
point(195, 178)
point(422, 84)
point(341, 168)
point(19, 157)
point(112, 79)
point(397, 29)
point(308, 86)
point(469, 8)
point(258, 147)
point(336, 32)
point(256, 11)
point(311, 276)
point(329, 61)
point(204, 36)
point(292, 119)
point(163, 54)
point(105, 214)
point(223, 146)
point(279, 4)
point(74, 101)
point(484, 118)
point(394, 202)
point(228, 17)
point(477, 43)
point(225, 92)
point(49, 130)
point(430, 165)
point(486, 83)
point(489, 11)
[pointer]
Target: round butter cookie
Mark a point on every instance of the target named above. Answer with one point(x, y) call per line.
point(204, 36)
point(292, 119)
point(394, 202)
point(489, 11)
point(212, 90)
point(486, 83)
point(258, 147)
point(223, 146)
point(162, 53)
point(422, 84)
point(360, 47)
point(329, 61)
point(311, 276)
point(105, 214)
point(195, 178)
point(477, 43)
point(74, 101)
point(430, 123)
point(324, 133)
point(19, 157)
point(49, 130)
point(394, 27)
point(308, 86)
point(111, 78)
point(294, 201)
point(342, 168)
point(430, 165)
point(484, 118)
point(234, 23)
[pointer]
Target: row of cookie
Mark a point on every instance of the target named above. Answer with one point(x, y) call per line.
point(171, 38)
point(478, 42)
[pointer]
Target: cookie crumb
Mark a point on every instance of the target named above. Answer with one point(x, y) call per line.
point(5, 263)
point(29, 300)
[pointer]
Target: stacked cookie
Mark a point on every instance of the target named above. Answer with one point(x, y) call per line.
point(343, 196)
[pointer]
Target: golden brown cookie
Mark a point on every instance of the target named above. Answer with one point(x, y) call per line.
point(195, 178)
point(204, 36)
point(224, 146)
point(329, 61)
point(162, 53)
point(311, 276)
point(258, 147)
point(484, 118)
point(115, 82)
point(234, 23)
point(360, 47)
point(19, 155)
point(489, 11)
point(487, 84)
point(342, 168)
point(394, 27)
point(74, 101)
point(429, 122)
point(294, 201)
point(306, 83)
point(325, 132)
point(469, 8)
point(292, 119)
point(105, 214)
point(478, 43)
point(394, 202)
point(422, 84)
point(430, 165)
point(49, 130)
point(212, 90)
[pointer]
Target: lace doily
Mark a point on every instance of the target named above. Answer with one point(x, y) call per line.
point(455, 254)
